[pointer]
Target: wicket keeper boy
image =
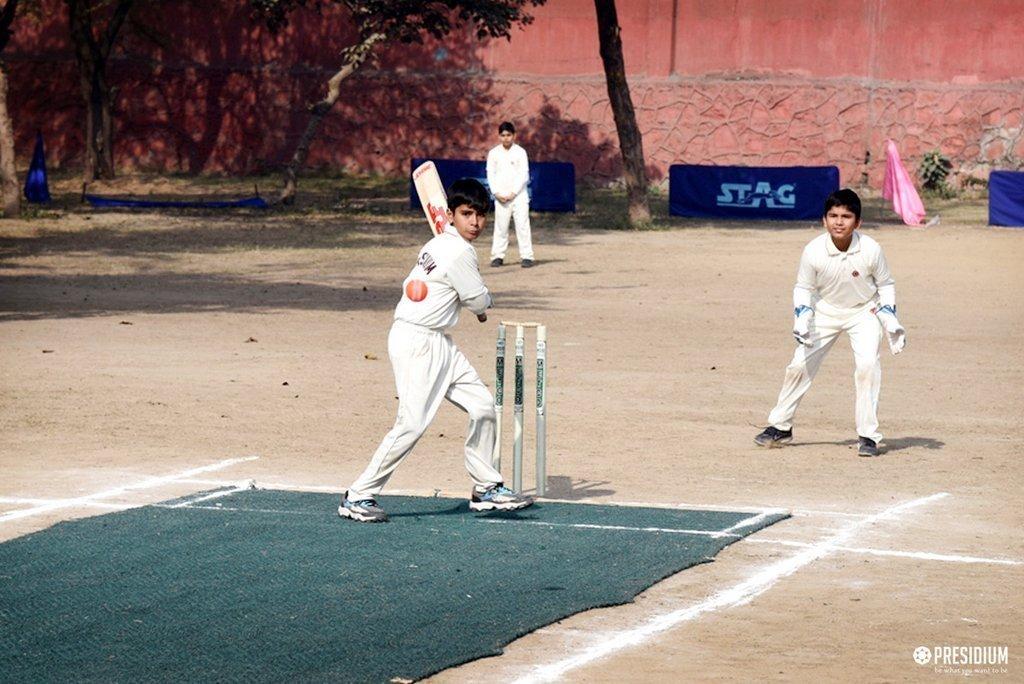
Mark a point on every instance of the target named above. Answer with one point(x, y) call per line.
point(843, 285)
point(428, 367)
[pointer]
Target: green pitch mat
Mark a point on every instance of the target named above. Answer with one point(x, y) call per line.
point(273, 586)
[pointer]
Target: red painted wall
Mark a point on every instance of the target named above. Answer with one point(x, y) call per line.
point(930, 40)
point(713, 81)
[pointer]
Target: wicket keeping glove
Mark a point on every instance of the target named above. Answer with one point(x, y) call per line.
point(802, 316)
point(894, 332)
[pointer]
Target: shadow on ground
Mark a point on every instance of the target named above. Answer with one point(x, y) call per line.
point(564, 487)
point(887, 445)
point(34, 297)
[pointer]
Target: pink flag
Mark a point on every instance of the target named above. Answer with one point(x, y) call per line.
point(898, 187)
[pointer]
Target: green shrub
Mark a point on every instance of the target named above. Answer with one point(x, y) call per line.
point(933, 171)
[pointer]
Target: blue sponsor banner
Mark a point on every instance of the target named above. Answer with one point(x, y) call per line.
point(1006, 198)
point(776, 193)
point(552, 185)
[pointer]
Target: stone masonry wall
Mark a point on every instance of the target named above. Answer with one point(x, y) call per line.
point(219, 94)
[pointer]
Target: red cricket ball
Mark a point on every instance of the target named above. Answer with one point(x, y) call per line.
point(416, 290)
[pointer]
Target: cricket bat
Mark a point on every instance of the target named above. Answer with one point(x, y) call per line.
point(432, 196)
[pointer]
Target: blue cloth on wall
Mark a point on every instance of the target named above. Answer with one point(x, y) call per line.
point(127, 202)
point(1006, 198)
point(776, 193)
point(552, 185)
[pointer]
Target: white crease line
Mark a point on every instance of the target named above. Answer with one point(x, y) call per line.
point(121, 506)
point(275, 485)
point(672, 530)
point(238, 510)
point(727, 508)
point(724, 508)
point(810, 513)
point(93, 504)
point(737, 595)
point(919, 555)
point(125, 507)
point(747, 522)
point(251, 484)
point(148, 483)
point(328, 489)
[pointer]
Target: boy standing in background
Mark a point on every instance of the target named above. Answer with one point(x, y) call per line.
point(508, 173)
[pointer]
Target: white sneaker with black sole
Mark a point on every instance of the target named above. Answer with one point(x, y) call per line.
point(498, 498)
point(364, 510)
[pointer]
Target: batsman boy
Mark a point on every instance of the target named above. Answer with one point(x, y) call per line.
point(843, 285)
point(428, 367)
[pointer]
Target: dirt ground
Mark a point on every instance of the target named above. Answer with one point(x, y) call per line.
point(148, 344)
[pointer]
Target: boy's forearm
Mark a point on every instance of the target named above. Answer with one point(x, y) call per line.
point(478, 304)
point(523, 182)
point(801, 296)
point(887, 295)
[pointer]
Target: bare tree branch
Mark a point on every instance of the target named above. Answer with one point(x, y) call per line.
point(385, 22)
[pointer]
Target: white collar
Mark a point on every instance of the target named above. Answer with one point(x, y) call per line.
point(832, 250)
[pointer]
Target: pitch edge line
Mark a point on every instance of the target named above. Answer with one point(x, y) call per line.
point(715, 534)
point(737, 595)
point(148, 483)
point(919, 555)
point(251, 484)
point(728, 508)
point(740, 508)
point(746, 522)
point(46, 502)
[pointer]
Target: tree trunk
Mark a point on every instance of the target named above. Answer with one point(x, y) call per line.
point(354, 59)
point(91, 112)
point(92, 56)
point(100, 142)
point(10, 191)
point(630, 142)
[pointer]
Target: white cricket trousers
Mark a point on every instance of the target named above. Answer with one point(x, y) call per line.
point(428, 368)
point(518, 210)
point(864, 331)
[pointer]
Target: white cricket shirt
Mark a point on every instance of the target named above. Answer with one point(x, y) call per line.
point(843, 280)
point(508, 171)
point(449, 267)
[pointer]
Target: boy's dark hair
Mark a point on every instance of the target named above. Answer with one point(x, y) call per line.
point(843, 198)
point(506, 126)
point(471, 192)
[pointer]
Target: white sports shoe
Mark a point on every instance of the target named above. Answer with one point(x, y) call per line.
point(498, 498)
point(364, 510)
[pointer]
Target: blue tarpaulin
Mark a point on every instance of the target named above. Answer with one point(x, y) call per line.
point(36, 188)
point(1006, 198)
point(248, 202)
point(775, 193)
point(552, 185)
